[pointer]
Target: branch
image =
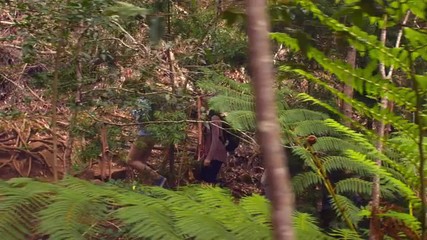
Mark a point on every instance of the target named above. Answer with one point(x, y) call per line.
point(398, 40)
point(7, 23)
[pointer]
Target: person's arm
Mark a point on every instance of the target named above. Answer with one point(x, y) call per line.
point(215, 133)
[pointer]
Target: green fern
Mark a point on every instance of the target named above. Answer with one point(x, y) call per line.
point(345, 234)
point(303, 181)
point(75, 209)
point(345, 208)
point(409, 221)
point(308, 228)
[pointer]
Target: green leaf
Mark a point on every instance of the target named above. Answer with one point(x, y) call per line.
point(422, 81)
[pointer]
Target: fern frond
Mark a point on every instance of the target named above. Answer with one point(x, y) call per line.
point(305, 155)
point(315, 127)
point(305, 180)
point(307, 228)
point(224, 103)
point(359, 139)
point(212, 78)
point(292, 116)
point(345, 234)
point(408, 220)
point(406, 191)
point(200, 226)
point(67, 218)
point(258, 207)
point(333, 145)
point(354, 185)
point(345, 208)
point(361, 80)
point(375, 112)
point(20, 199)
point(360, 186)
point(74, 209)
point(148, 221)
point(342, 163)
point(241, 120)
point(361, 40)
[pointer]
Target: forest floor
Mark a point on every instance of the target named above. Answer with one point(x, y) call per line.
point(26, 133)
point(26, 151)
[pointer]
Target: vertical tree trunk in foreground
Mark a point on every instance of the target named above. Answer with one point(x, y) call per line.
point(261, 66)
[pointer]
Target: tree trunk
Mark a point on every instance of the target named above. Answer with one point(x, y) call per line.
point(104, 153)
point(382, 131)
point(171, 158)
point(268, 128)
point(346, 108)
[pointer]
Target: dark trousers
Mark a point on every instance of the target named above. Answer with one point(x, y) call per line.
point(209, 173)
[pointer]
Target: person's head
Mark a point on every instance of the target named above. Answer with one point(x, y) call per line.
point(212, 112)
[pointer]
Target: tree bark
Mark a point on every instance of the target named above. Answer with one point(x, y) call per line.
point(54, 102)
point(382, 131)
point(104, 153)
point(268, 129)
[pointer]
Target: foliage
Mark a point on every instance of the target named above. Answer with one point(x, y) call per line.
point(76, 209)
point(398, 176)
point(100, 40)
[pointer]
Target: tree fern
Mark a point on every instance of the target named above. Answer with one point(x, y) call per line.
point(408, 220)
point(360, 39)
point(292, 116)
point(332, 145)
point(315, 127)
point(67, 218)
point(333, 164)
point(403, 188)
point(345, 208)
point(345, 234)
point(19, 206)
point(308, 227)
point(241, 119)
point(303, 181)
point(74, 209)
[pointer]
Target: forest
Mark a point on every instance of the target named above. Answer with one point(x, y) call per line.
point(203, 119)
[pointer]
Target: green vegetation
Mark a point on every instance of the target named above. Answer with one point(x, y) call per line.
point(351, 98)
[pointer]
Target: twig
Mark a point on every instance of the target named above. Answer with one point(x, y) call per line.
point(18, 47)
point(21, 88)
point(7, 23)
point(124, 31)
point(119, 40)
point(29, 166)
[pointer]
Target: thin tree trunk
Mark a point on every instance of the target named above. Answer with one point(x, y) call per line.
point(381, 129)
point(104, 152)
point(55, 83)
point(261, 64)
point(199, 128)
point(347, 89)
point(77, 101)
point(171, 158)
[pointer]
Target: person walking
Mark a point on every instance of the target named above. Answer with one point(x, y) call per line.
point(142, 147)
point(214, 150)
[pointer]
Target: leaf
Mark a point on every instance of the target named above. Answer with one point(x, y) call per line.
point(422, 81)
